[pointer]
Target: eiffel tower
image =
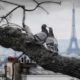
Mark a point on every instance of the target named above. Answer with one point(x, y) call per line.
point(73, 46)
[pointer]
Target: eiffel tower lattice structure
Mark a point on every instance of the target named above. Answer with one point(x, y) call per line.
point(73, 46)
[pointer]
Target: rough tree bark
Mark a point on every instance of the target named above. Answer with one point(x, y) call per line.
point(15, 39)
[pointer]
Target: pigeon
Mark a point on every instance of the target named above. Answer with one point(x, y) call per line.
point(41, 37)
point(51, 42)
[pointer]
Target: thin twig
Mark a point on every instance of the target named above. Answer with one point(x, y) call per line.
point(6, 20)
point(50, 2)
point(23, 21)
point(24, 9)
point(10, 2)
point(1, 19)
point(38, 5)
point(12, 11)
point(32, 9)
point(44, 9)
point(4, 17)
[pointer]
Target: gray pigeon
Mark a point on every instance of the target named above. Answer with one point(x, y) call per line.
point(51, 42)
point(41, 37)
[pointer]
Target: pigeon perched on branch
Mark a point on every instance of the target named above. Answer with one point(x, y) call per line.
point(51, 42)
point(42, 36)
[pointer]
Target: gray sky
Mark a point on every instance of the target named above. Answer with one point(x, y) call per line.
point(60, 17)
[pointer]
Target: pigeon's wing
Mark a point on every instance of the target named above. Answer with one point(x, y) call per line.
point(40, 37)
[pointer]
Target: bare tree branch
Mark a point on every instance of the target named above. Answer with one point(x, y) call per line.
point(39, 4)
point(24, 9)
point(44, 9)
point(4, 9)
point(50, 2)
point(9, 17)
point(15, 39)
point(5, 17)
point(10, 2)
point(12, 11)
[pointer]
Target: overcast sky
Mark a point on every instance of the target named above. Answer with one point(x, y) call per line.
point(59, 17)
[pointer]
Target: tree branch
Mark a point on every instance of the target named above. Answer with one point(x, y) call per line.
point(4, 17)
point(38, 4)
point(44, 9)
point(50, 2)
point(9, 2)
point(15, 39)
point(24, 9)
point(12, 11)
